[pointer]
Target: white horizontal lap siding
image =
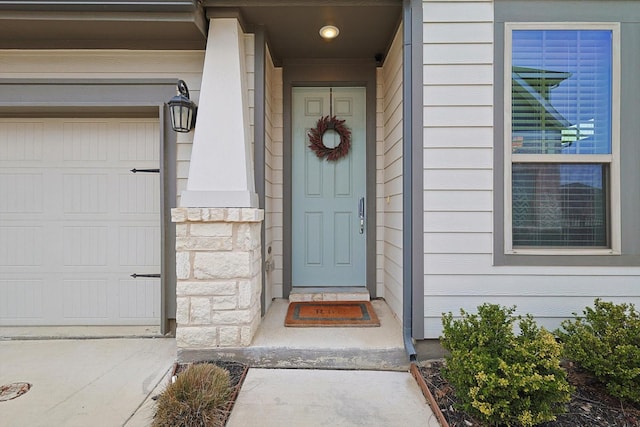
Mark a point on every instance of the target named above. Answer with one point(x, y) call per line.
point(458, 187)
point(391, 177)
point(273, 176)
point(250, 60)
point(458, 148)
point(268, 174)
point(113, 64)
point(104, 63)
point(380, 200)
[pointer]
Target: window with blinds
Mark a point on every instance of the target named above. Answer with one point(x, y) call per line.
point(561, 138)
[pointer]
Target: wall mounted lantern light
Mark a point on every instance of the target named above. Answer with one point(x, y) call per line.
point(183, 109)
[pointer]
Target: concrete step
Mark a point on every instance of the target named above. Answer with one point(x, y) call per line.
point(277, 346)
point(307, 294)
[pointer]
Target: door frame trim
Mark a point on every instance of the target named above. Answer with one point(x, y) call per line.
point(330, 73)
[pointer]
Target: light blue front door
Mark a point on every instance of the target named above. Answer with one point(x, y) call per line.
point(328, 241)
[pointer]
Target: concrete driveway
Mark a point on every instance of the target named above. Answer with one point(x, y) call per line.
point(110, 382)
point(86, 382)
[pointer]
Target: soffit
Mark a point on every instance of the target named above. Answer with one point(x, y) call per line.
point(291, 28)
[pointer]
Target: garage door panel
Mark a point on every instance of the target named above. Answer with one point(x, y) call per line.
point(139, 298)
point(21, 141)
point(75, 223)
point(21, 246)
point(86, 141)
point(139, 193)
point(139, 246)
point(21, 299)
point(85, 193)
point(85, 299)
point(139, 142)
point(21, 192)
point(85, 246)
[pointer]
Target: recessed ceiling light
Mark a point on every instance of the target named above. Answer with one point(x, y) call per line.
point(329, 32)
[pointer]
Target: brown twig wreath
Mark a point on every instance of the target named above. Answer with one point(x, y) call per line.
point(315, 137)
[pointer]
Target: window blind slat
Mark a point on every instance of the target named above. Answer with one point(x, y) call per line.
point(562, 88)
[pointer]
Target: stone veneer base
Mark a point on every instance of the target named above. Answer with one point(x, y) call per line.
point(219, 272)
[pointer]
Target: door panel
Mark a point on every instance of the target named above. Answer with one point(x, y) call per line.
point(328, 248)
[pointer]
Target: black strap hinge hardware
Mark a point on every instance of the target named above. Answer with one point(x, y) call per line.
point(134, 170)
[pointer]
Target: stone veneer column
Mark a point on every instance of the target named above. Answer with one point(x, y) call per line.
point(219, 267)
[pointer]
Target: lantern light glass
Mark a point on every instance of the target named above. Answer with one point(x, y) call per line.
point(183, 110)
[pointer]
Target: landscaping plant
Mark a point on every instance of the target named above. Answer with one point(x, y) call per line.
point(501, 378)
point(197, 398)
point(606, 342)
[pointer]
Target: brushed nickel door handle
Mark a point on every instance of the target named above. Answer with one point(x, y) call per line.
point(361, 214)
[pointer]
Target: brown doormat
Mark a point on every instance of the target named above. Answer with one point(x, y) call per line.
point(331, 314)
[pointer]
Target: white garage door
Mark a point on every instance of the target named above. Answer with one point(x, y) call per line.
point(75, 223)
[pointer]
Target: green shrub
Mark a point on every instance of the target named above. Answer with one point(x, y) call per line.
point(500, 378)
point(606, 342)
point(197, 398)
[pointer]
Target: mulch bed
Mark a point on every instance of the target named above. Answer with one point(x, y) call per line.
point(237, 374)
point(590, 406)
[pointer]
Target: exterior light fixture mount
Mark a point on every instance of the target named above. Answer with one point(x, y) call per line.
point(329, 32)
point(183, 109)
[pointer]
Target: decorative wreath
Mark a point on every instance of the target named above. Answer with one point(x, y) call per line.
point(315, 137)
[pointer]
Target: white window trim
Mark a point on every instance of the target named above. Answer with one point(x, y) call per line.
point(613, 159)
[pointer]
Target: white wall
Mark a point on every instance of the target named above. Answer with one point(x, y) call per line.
point(273, 178)
point(389, 176)
point(458, 186)
point(250, 66)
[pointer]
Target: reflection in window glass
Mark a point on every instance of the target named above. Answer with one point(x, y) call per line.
point(561, 91)
point(559, 205)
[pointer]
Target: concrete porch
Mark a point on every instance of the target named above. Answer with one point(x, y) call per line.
point(276, 346)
